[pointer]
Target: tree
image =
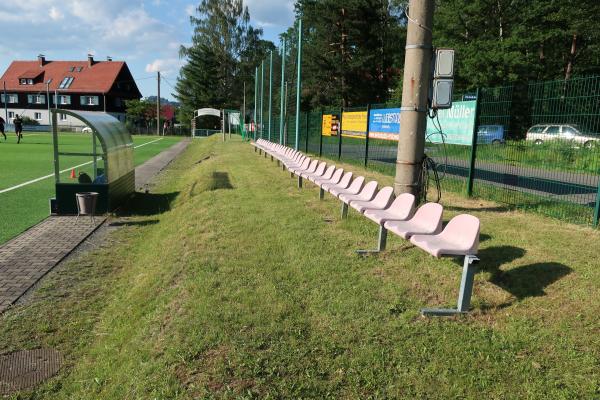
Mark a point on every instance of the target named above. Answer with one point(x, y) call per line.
point(353, 51)
point(225, 49)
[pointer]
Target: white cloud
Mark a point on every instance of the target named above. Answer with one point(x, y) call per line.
point(165, 66)
point(190, 9)
point(268, 13)
point(55, 14)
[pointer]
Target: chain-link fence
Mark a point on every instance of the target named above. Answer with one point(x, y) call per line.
point(533, 146)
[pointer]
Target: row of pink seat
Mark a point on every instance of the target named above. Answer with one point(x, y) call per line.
point(422, 226)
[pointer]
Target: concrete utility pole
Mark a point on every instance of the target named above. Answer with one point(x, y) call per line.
point(158, 104)
point(415, 90)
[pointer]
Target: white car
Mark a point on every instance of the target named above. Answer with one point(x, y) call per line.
point(541, 133)
point(87, 129)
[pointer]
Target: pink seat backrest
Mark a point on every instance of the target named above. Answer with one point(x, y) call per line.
point(312, 166)
point(329, 172)
point(337, 175)
point(383, 197)
point(463, 230)
point(368, 191)
point(429, 217)
point(305, 163)
point(404, 205)
point(346, 179)
point(357, 184)
point(321, 168)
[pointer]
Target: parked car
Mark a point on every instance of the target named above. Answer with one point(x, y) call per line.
point(87, 129)
point(568, 132)
point(490, 134)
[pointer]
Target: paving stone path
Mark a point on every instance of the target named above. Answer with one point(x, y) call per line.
point(25, 259)
point(28, 257)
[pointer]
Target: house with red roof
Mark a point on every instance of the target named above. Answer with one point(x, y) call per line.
point(30, 88)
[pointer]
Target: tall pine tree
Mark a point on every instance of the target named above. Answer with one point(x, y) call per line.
point(225, 48)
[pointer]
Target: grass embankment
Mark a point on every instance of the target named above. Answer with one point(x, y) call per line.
point(33, 158)
point(247, 287)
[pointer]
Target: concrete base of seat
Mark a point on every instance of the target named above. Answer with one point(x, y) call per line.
point(381, 242)
point(344, 210)
point(321, 193)
point(464, 294)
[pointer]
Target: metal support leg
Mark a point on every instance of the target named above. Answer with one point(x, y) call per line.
point(381, 242)
point(282, 166)
point(271, 157)
point(291, 174)
point(464, 295)
point(344, 210)
point(299, 182)
point(265, 154)
point(255, 149)
point(278, 163)
point(321, 193)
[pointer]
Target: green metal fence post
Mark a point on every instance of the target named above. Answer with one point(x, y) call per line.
point(298, 83)
point(270, 91)
point(307, 120)
point(597, 208)
point(340, 133)
point(262, 95)
point(321, 134)
point(255, 99)
point(471, 177)
point(367, 136)
point(282, 95)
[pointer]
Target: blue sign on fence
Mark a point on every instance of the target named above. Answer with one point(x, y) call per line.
point(384, 124)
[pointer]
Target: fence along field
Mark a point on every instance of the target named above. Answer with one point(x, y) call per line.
point(559, 177)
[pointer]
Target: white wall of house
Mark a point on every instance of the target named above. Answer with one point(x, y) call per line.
point(41, 116)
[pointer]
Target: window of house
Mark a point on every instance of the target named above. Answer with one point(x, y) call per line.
point(30, 81)
point(11, 114)
point(79, 69)
point(64, 100)
point(36, 99)
point(12, 98)
point(63, 117)
point(37, 116)
point(66, 82)
point(89, 100)
point(71, 69)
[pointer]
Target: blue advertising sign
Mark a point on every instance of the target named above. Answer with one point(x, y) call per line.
point(384, 124)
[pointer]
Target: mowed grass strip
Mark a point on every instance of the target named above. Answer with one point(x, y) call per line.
point(233, 283)
point(33, 158)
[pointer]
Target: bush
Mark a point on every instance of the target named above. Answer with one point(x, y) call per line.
point(29, 121)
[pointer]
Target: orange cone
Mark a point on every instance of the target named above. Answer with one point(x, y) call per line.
point(73, 173)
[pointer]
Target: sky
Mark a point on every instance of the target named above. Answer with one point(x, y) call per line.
point(147, 34)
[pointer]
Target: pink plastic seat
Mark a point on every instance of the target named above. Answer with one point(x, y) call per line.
point(400, 209)
point(343, 183)
point(311, 166)
point(381, 201)
point(326, 175)
point(366, 194)
point(354, 188)
point(460, 237)
point(426, 221)
point(320, 170)
point(335, 177)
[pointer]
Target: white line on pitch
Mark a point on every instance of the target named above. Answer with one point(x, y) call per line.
point(20, 185)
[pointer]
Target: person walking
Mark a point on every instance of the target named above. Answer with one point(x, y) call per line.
point(2, 128)
point(18, 128)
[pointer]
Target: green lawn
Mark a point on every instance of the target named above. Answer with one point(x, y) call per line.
point(232, 283)
point(32, 159)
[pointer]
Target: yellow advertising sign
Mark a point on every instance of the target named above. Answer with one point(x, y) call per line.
point(354, 124)
point(329, 125)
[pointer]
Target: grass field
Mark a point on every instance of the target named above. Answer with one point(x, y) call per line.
point(247, 287)
point(33, 158)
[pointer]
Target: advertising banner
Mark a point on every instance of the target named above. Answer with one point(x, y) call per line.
point(330, 125)
point(354, 124)
point(384, 124)
point(457, 123)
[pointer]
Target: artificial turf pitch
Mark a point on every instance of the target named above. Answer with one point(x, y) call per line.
point(33, 158)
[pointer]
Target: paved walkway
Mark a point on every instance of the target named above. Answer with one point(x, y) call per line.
point(28, 257)
point(25, 259)
point(145, 172)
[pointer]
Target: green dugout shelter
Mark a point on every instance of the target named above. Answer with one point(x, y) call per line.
point(110, 160)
